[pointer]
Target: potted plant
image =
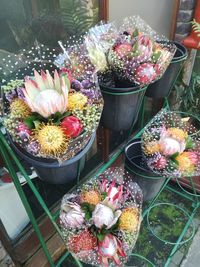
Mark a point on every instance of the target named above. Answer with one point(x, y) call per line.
point(50, 124)
point(100, 220)
point(135, 58)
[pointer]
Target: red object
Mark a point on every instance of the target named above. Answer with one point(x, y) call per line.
point(83, 241)
point(192, 41)
point(145, 73)
point(6, 178)
point(71, 126)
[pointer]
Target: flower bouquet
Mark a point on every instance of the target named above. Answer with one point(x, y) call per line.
point(46, 115)
point(171, 144)
point(100, 220)
point(139, 55)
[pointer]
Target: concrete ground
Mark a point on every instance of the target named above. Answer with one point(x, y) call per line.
point(192, 259)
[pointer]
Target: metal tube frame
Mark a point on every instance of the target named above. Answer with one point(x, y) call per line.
point(7, 153)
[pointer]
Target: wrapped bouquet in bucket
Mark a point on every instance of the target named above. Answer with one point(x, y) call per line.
point(135, 54)
point(100, 220)
point(46, 118)
point(135, 57)
point(171, 144)
point(139, 55)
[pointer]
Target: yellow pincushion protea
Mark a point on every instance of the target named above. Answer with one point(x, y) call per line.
point(151, 148)
point(76, 101)
point(128, 220)
point(177, 134)
point(91, 197)
point(51, 139)
point(19, 109)
point(184, 162)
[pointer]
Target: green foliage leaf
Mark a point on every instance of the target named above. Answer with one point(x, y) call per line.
point(36, 124)
point(174, 155)
point(57, 117)
point(189, 143)
point(103, 195)
point(88, 209)
point(78, 16)
point(29, 122)
point(100, 237)
point(156, 56)
point(135, 33)
point(196, 26)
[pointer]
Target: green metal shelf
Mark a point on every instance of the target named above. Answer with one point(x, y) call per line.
point(10, 158)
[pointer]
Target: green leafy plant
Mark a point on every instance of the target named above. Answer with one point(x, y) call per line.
point(196, 26)
point(189, 96)
point(78, 16)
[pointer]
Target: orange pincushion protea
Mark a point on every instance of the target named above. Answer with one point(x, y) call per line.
point(151, 148)
point(91, 197)
point(83, 241)
point(177, 134)
point(128, 221)
point(184, 162)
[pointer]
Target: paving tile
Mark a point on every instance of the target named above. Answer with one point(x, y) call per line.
point(193, 256)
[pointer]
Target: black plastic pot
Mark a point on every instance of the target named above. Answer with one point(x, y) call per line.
point(50, 170)
point(163, 86)
point(149, 182)
point(121, 106)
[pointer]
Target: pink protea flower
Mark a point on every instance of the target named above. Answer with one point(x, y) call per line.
point(71, 215)
point(193, 156)
point(145, 73)
point(170, 146)
point(172, 140)
point(110, 248)
point(104, 215)
point(45, 94)
point(144, 49)
point(161, 163)
point(123, 49)
point(114, 194)
point(23, 128)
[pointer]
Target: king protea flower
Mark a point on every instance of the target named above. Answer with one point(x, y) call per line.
point(110, 248)
point(172, 140)
point(71, 215)
point(104, 215)
point(45, 94)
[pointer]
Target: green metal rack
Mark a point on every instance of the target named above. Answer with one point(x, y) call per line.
point(10, 158)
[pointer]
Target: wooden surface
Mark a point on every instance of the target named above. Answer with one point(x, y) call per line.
point(56, 248)
point(103, 9)
point(174, 18)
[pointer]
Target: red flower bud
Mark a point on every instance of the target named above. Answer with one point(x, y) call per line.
point(71, 126)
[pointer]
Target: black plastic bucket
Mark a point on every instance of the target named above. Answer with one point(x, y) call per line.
point(163, 86)
point(50, 170)
point(149, 182)
point(121, 106)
